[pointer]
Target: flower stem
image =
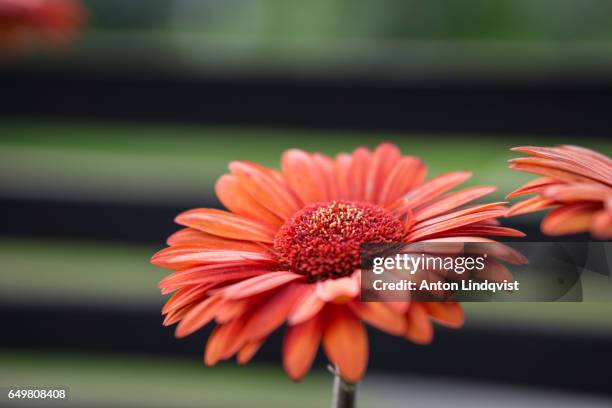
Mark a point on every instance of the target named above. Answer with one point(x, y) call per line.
point(343, 393)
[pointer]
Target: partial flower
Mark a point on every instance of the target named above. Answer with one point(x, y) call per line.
point(576, 182)
point(45, 20)
point(286, 251)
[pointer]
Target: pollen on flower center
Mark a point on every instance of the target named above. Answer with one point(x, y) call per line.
point(323, 240)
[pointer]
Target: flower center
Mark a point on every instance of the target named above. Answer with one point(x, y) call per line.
point(323, 240)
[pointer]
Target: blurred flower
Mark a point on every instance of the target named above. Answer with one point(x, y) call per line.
point(50, 20)
point(288, 251)
point(577, 181)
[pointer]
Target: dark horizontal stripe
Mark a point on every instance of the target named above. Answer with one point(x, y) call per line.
point(567, 106)
point(92, 220)
point(540, 358)
point(126, 222)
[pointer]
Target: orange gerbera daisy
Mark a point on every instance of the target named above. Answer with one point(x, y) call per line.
point(55, 20)
point(287, 251)
point(577, 181)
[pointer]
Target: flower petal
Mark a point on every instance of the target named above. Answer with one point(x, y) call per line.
point(587, 155)
point(380, 316)
point(384, 159)
point(226, 224)
point(190, 236)
point(342, 168)
point(223, 342)
point(434, 187)
point(408, 173)
point(198, 316)
point(247, 351)
point(341, 288)
point(480, 230)
point(460, 213)
point(455, 222)
point(398, 307)
point(185, 256)
point(530, 205)
point(236, 199)
point(572, 158)
point(358, 174)
point(235, 337)
point(601, 227)
point(575, 192)
point(266, 188)
point(346, 343)
point(307, 307)
point(176, 315)
point(418, 326)
point(300, 346)
point(450, 202)
point(273, 312)
point(577, 169)
point(184, 297)
point(303, 176)
point(570, 219)
point(210, 275)
point(327, 169)
point(232, 309)
point(550, 172)
point(533, 187)
point(446, 313)
point(259, 284)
